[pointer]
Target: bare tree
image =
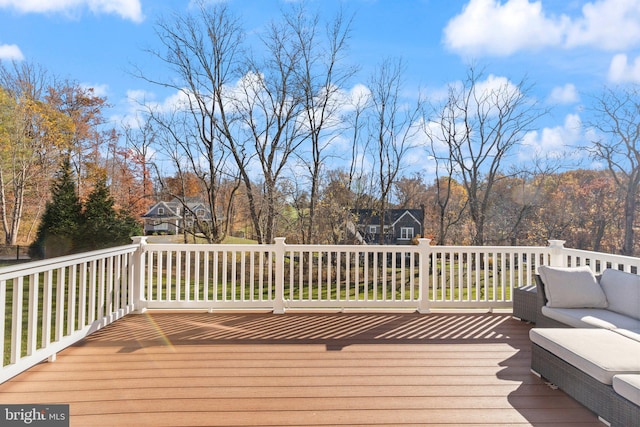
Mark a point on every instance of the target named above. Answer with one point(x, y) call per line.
point(617, 144)
point(321, 76)
point(440, 133)
point(140, 139)
point(483, 122)
point(203, 50)
point(250, 110)
point(393, 127)
point(270, 102)
point(358, 122)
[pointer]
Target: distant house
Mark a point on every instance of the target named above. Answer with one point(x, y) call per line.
point(175, 216)
point(400, 226)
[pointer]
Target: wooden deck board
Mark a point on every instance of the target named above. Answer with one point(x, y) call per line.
point(301, 369)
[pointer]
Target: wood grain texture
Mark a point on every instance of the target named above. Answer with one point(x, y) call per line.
point(301, 369)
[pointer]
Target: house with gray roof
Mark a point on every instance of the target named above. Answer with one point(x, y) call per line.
point(176, 216)
point(401, 226)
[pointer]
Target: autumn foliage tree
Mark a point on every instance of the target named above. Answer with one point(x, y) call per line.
point(88, 137)
point(32, 134)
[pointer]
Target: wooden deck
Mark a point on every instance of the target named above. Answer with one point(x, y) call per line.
point(179, 369)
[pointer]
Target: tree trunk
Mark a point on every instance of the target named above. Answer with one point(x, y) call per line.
point(630, 207)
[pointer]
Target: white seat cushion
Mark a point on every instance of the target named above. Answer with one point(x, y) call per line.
point(628, 386)
point(591, 318)
point(572, 287)
point(634, 334)
point(600, 353)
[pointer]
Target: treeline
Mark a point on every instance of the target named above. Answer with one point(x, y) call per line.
point(582, 207)
point(279, 137)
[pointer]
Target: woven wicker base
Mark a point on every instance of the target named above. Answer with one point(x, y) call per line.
point(525, 302)
point(596, 396)
point(625, 413)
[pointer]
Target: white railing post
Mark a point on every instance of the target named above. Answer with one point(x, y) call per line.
point(278, 303)
point(424, 250)
point(139, 301)
point(557, 248)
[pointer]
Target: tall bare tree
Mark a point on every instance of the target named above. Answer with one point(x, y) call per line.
point(483, 121)
point(322, 76)
point(393, 126)
point(202, 49)
point(270, 103)
point(439, 133)
point(140, 139)
point(617, 144)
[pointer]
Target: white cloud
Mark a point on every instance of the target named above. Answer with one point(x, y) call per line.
point(495, 84)
point(127, 9)
point(492, 27)
point(621, 71)
point(489, 27)
point(553, 142)
point(606, 24)
point(355, 98)
point(566, 94)
point(140, 99)
point(10, 52)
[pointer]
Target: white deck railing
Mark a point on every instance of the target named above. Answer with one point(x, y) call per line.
point(51, 304)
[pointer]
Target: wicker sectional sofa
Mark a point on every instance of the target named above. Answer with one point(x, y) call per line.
point(576, 298)
point(587, 339)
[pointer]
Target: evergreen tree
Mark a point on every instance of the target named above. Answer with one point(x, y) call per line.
point(66, 228)
point(102, 226)
point(97, 217)
point(59, 229)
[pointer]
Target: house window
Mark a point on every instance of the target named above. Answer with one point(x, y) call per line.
point(406, 233)
point(200, 213)
point(160, 211)
point(374, 229)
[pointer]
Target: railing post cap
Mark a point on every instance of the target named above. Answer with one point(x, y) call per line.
point(556, 243)
point(139, 240)
point(279, 240)
point(424, 241)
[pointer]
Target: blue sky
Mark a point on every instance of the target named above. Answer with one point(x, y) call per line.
point(569, 49)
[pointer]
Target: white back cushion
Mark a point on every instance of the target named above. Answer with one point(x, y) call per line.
point(622, 291)
point(572, 287)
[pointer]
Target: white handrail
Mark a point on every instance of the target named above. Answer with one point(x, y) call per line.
point(598, 261)
point(282, 276)
point(51, 304)
point(60, 301)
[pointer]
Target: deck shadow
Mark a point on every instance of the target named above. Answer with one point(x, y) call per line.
point(334, 330)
